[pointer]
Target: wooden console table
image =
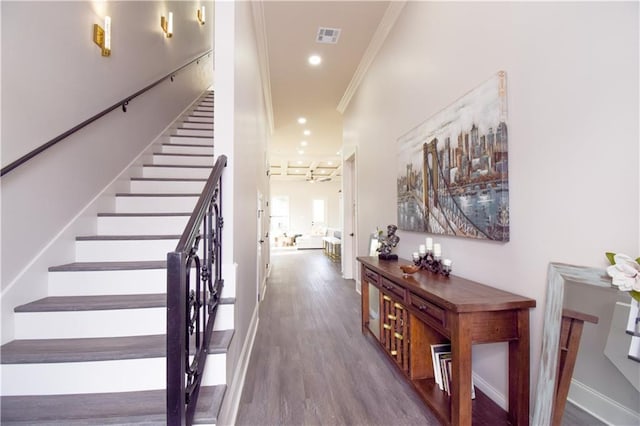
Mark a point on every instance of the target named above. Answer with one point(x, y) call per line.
point(423, 309)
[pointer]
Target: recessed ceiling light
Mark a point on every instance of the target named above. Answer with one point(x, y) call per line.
point(338, 153)
point(299, 161)
point(300, 151)
point(315, 60)
point(302, 120)
point(297, 170)
point(331, 163)
point(303, 143)
point(307, 132)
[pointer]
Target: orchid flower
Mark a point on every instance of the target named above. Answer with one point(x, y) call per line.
point(625, 273)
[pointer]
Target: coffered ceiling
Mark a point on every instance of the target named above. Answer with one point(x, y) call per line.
point(287, 33)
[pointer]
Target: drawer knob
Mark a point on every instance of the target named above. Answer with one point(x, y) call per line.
point(423, 307)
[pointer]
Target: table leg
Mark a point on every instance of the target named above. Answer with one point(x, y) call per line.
point(461, 370)
point(519, 372)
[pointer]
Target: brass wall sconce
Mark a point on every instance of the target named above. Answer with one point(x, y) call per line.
point(201, 15)
point(102, 36)
point(167, 25)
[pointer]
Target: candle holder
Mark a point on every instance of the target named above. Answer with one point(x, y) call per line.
point(432, 263)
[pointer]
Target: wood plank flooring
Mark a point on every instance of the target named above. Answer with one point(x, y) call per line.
point(311, 364)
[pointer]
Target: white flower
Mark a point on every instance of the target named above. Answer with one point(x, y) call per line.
point(625, 273)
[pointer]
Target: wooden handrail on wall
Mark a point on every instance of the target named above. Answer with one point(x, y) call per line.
point(123, 104)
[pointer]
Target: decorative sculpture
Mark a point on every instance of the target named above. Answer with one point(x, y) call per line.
point(387, 243)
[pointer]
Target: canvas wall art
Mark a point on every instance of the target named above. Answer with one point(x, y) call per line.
point(453, 169)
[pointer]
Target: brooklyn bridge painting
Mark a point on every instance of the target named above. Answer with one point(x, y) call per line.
point(453, 169)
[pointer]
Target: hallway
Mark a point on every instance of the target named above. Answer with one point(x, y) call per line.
point(311, 364)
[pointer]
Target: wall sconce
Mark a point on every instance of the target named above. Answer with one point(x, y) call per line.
point(201, 15)
point(102, 36)
point(167, 25)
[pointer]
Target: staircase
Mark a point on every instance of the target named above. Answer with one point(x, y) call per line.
point(93, 352)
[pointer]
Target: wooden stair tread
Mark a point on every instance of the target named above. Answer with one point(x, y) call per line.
point(186, 145)
point(169, 179)
point(100, 302)
point(39, 351)
point(192, 136)
point(153, 194)
point(142, 214)
point(109, 266)
point(183, 166)
point(90, 303)
point(171, 154)
point(141, 407)
point(126, 237)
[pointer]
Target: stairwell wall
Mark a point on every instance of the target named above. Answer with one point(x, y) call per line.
point(241, 133)
point(572, 82)
point(53, 78)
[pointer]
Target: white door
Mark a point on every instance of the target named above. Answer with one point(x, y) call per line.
point(261, 248)
point(349, 239)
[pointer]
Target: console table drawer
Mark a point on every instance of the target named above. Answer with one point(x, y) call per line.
point(393, 288)
point(428, 309)
point(372, 277)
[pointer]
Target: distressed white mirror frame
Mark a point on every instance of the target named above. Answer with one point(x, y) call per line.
point(557, 274)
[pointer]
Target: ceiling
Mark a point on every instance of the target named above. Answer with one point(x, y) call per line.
point(297, 89)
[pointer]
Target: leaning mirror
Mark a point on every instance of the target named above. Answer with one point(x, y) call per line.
point(585, 333)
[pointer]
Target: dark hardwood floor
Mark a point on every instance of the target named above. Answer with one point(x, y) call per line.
point(311, 364)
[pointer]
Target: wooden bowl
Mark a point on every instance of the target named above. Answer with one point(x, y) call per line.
point(409, 269)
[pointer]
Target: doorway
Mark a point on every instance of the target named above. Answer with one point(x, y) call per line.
point(350, 229)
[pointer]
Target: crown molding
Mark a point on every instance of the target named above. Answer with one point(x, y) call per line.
point(263, 59)
point(386, 24)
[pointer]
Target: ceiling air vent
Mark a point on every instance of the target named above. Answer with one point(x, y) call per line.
point(328, 35)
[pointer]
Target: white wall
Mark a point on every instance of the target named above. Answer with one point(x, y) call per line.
point(572, 77)
point(241, 134)
point(301, 195)
point(53, 78)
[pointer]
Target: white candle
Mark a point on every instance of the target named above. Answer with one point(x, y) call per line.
point(447, 262)
point(422, 249)
point(437, 250)
point(429, 243)
point(416, 256)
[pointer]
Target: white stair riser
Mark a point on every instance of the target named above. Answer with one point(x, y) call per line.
point(94, 283)
point(205, 107)
point(190, 140)
point(84, 377)
point(105, 323)
point(177, 149)
point(176, 172)
point(198, 113)
point(144, 204)
point(186, 160)
point(80, 324)
point(123, 250)
point(197, 119)
point(194, 132)
point(202, 126)
point(166, 187)
point(142, 225)
point(224, 317)
point(97, 376)
point(215, 370)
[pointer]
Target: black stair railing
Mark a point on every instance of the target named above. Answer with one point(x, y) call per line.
point(194, 287)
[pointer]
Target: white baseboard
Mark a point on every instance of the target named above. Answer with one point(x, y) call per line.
point(601, 406)
point(231, 403)
point(491, 392)
point(358, 287)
